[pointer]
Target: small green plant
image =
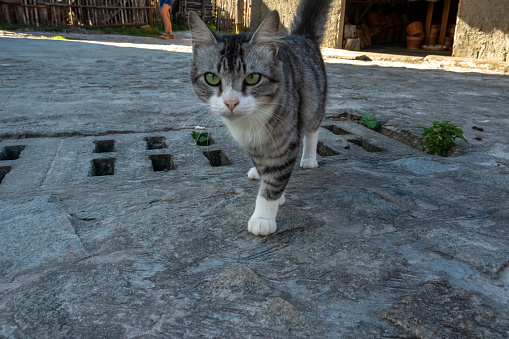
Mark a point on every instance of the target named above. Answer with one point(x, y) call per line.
point(369, 121)
point(439, 138)
point(200, 139)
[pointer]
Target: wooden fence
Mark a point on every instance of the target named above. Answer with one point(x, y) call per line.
point(227, 14)
point(100, 13)
point(232, 14)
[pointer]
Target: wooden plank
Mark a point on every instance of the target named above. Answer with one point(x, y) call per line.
point(43, 14)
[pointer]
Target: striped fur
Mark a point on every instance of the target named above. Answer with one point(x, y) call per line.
point(271, 117)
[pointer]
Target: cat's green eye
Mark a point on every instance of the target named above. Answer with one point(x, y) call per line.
point(212, 79)
point(253, 78)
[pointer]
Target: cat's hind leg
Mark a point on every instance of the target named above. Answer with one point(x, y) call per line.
point(253, 174)
point(308, 159)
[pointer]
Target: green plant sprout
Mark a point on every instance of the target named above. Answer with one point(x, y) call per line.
point(200, 139)
point(369, 121)
point(439, 138)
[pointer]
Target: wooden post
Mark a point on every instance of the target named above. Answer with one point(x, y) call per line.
point(239, 17)
point(445, 18)
point(5, 14)
point(428, 22)
point(43, 15)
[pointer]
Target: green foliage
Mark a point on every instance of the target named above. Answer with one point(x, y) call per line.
point(439, 138)
point(212, 26)
point(369, 121)
point(200, 139)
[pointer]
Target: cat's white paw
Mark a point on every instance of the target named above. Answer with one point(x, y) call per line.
point(253, 174)
point(282, 199)
point(308, 163)
point(261, 226)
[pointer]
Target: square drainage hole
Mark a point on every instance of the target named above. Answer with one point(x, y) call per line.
point(217, 158)
point(156, 142)
point(203, 139)
point(11, 152)
point(162, 162)
point(366, 145)
point(102, 167)
point(325, 151)
point(3, 172)
point(336, 130)
point(104, 146)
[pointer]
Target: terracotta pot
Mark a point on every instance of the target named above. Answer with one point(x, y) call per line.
point(415, 29)
point(373, 19)
point(414, 42)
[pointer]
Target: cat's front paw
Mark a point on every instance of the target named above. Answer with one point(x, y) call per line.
point(253, 174)
point(261, 226)
point(308, 163)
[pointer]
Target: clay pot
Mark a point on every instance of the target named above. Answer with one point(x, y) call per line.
point(373, 19)
point(414, 42)
point(415, 29)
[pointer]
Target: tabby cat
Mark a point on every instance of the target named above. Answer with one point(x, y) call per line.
point(270, 91)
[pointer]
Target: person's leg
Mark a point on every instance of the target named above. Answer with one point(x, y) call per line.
point(165, 14)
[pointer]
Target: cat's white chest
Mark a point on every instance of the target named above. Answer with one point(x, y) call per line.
point(249, 131)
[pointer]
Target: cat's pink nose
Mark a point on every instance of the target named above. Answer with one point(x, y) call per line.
point(231, 103)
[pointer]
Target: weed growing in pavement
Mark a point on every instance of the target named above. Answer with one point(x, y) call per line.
point(369, 121)
point(439, 138)
point(201, 140)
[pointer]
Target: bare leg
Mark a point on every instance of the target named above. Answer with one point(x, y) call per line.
point(165, 14)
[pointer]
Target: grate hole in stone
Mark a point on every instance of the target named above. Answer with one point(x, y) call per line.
point(104, 146)
point(207, 142)
point(366, 145)
point(11, 152)
point(156, 142)
point(3, 172)
point(336, 130)
point(324, 150)
point(102, 167)
point(162, 162)
point(217, 158)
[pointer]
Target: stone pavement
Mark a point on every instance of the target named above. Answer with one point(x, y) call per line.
point(114, 223)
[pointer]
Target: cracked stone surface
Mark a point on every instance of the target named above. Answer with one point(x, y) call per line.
point(387, 243)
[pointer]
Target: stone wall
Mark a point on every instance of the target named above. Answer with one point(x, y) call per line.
point(287, 10)
point(482, 30)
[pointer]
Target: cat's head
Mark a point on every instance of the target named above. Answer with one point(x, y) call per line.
point(236, 75)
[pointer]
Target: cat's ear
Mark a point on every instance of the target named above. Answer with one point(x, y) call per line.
point(268, 32)
point(200, 33)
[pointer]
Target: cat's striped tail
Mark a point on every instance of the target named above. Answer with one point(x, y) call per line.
point(311, 19)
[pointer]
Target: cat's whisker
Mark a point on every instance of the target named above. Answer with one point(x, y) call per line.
point(279, 119)
point(269, 132)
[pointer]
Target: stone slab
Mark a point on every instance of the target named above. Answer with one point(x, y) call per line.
point(392, 243)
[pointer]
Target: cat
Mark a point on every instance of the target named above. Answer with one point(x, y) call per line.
point(270, 91)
